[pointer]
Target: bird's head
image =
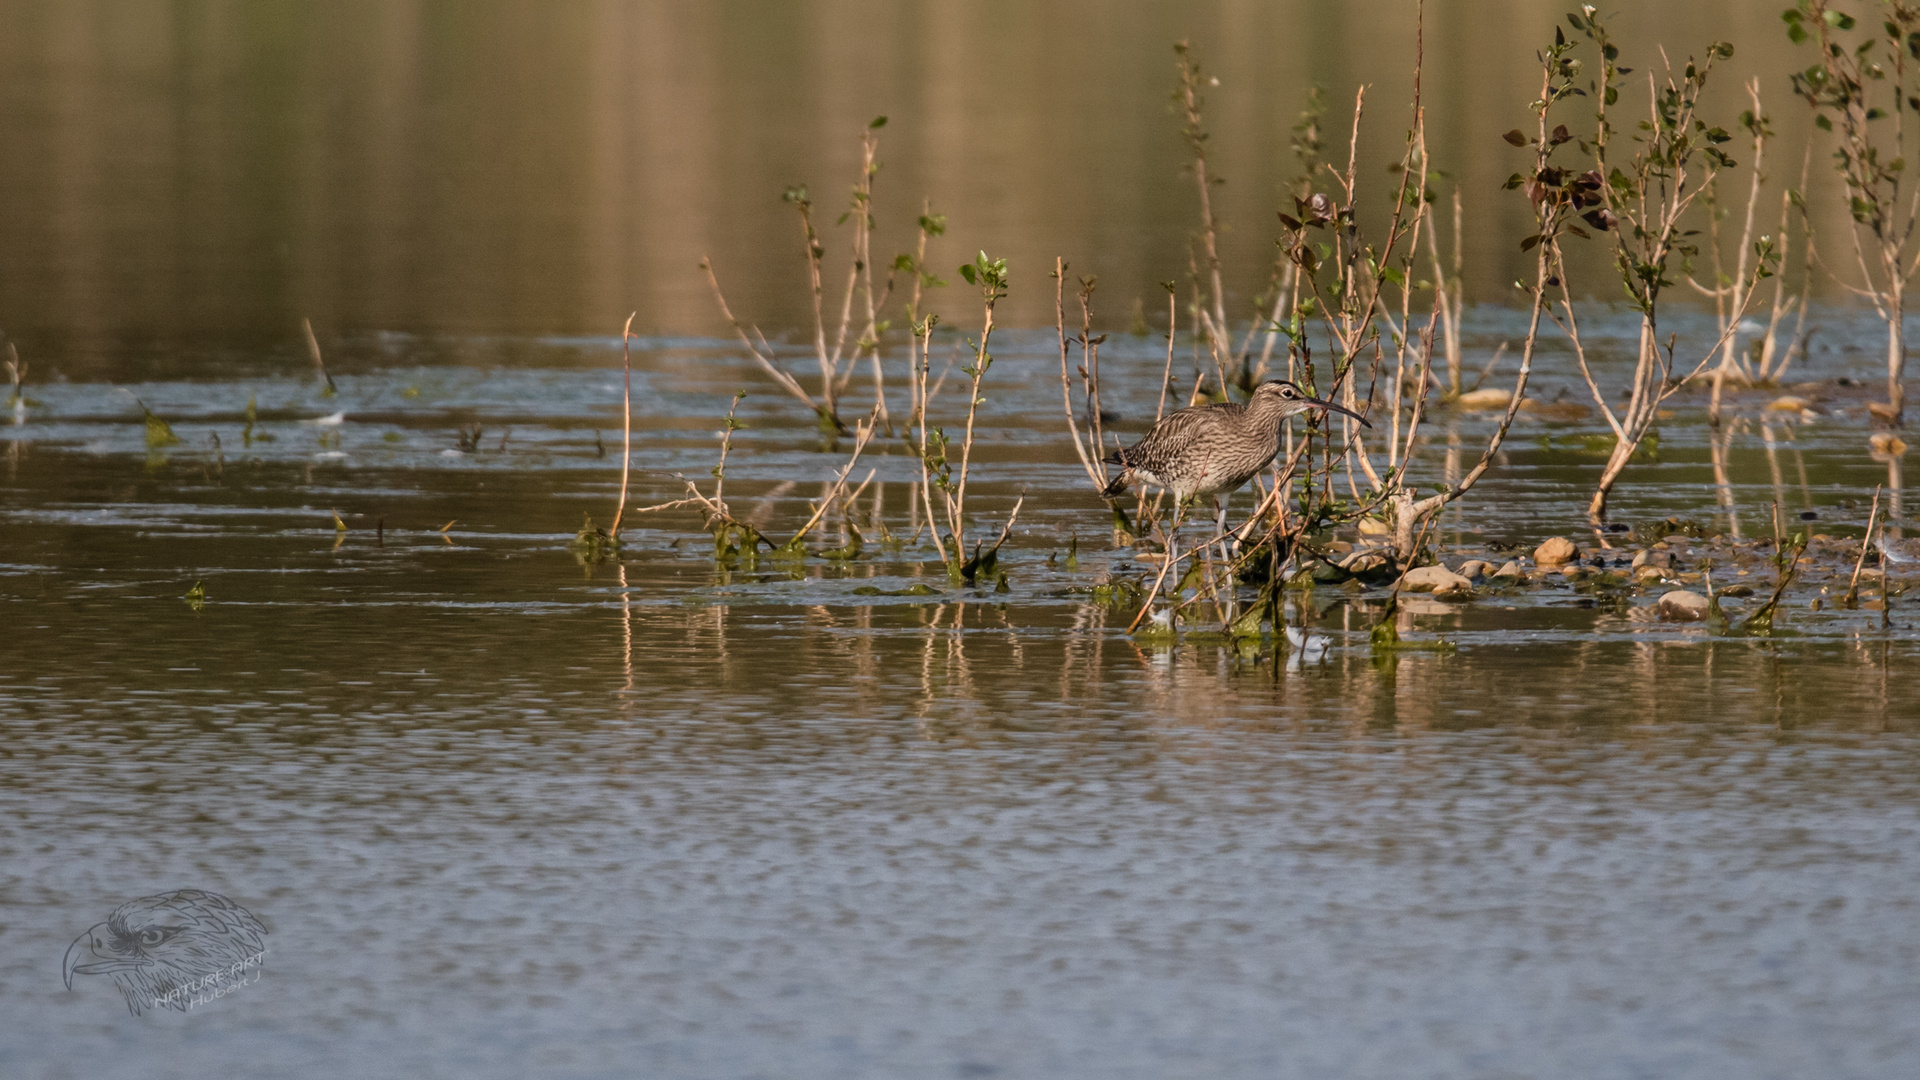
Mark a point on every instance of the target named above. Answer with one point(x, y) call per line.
point(1282, 399)
point(157, 945)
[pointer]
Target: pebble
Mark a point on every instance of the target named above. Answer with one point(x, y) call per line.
point(1555, 552)
point(1683, 606)
point(1474, 400)
point(1437, 580)
point(1364, 561)
point(1511, 570)
point(1659, 559)
point(1474, 569)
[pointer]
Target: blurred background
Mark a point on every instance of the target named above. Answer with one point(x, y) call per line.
point(185, 179)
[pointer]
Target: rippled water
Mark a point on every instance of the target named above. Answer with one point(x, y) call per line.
point(507, 814)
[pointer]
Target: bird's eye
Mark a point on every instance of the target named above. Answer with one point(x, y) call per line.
point(152, 937)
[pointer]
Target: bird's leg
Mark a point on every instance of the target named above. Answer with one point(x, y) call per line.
point(1226, 556)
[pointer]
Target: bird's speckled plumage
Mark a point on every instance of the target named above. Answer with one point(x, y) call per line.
point(1209, 449)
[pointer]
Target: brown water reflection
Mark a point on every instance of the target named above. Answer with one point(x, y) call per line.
point(196, 178)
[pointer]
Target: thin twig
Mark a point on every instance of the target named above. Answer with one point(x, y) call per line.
point(313, 350)
point(626, 423)
point(1866, 545)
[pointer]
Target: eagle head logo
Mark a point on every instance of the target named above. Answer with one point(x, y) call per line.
point(165, 951)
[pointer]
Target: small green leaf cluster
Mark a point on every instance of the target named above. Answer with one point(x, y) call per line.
point(990, 275)
point(1840, 87)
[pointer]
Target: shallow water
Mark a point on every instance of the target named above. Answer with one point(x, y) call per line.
point(506, 813)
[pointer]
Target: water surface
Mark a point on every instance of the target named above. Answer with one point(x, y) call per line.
point(506, 813)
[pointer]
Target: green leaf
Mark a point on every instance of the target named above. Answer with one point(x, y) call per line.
point(878, 122)
point(966, 271)
point(159, 433)
point(1515, 137)
point(1839, 20)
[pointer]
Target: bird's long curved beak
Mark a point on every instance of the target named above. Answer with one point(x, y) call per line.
point(93, 944)
point(1331, 407)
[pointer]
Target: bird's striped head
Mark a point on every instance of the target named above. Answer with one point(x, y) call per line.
point(1284, 399)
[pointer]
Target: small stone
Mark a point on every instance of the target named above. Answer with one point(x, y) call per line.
point(1683, 606)
point(1555, 552)
point(1737, 590)
point(1475, 400)
point(1475, 569)
point(1647, 574)
point(1437, 580)
point(1788, 403)
point(1510, 570)
point(1886, 444)
point(1364, 561)
point(1372, 527)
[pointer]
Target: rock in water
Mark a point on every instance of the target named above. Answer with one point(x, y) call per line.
point(1555, 552)
point(1479, 400)
point(1683, 606)
point(1437, 580)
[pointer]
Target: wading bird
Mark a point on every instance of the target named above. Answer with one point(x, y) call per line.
point(1210, 450)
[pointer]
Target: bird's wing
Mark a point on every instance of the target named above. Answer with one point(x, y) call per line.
point(1175, 436)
